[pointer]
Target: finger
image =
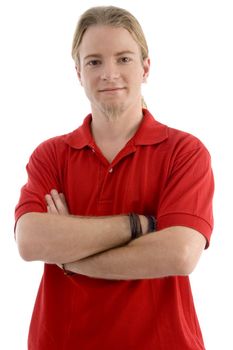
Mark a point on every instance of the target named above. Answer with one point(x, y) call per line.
point(63, 199)
point(59, 202)
point(51, 208)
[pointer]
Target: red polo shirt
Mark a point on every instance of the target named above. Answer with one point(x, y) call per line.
point(161, 171)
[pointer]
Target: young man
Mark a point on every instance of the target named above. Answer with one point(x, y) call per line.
point(112, 279)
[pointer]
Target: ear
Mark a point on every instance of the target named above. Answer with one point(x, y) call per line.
point(146, 68)
point(77, 68)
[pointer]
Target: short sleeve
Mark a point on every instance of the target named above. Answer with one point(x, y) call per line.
point(186, 199)
point(43, 175)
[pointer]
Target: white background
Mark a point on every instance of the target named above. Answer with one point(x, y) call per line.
point(190, 88)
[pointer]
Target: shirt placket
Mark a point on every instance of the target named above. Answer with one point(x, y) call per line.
point(108, 178)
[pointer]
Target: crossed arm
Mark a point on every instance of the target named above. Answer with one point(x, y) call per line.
point(102, 247)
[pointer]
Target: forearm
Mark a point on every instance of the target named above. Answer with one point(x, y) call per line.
point(172, 251)
point(64, 238)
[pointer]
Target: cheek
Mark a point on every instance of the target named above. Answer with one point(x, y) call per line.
point(136, 81)
point(136, 75)
point(85, 81)
point(89, 80)
point(90, 87)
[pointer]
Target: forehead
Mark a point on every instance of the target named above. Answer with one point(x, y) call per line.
point(103, 39)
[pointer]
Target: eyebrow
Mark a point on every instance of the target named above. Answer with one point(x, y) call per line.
point(96, 55)
point(127, 52)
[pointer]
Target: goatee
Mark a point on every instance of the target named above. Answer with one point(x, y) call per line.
point(112, 112)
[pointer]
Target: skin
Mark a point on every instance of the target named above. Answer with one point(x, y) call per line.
point(111, 72)
point(172, 251)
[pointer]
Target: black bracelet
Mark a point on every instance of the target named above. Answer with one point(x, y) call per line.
point(151, 223)
point(135, 226)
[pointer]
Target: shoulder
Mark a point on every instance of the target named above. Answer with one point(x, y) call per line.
point(77, 139)
point(186, 150)
point(54, 149)
point(183, 141)
point(51, 146)
point(169, 138)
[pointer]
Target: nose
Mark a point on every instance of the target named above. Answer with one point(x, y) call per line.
point(110, 71)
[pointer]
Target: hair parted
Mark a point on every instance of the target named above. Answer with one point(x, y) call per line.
point(112, 16)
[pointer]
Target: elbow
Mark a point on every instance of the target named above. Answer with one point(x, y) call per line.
point(23, 236)
point(185, 269)
point(186, 262)
point(25, 253)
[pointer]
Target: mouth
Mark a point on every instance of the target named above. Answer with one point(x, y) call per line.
point(113, 89)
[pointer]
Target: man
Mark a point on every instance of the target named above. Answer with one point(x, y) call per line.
point(114, 278)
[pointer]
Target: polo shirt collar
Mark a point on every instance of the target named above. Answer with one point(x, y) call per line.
point(150, 132)
point(82, 136)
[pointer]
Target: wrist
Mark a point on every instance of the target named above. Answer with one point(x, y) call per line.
point(144, 224)
point(148, 223)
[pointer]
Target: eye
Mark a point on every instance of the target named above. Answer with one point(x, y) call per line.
point(93, 63)
point(125, 59)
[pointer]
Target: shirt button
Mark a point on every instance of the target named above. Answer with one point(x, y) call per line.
point(110, 170)
point(93, 150)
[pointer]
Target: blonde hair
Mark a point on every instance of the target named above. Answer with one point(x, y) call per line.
point(112, 16)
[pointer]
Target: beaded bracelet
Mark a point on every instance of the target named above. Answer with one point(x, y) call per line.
point(135, 226)
point(151, 223)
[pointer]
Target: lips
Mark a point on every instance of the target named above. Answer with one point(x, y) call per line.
point(111, 89)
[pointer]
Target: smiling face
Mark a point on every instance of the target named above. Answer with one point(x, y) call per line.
point(111, 70)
